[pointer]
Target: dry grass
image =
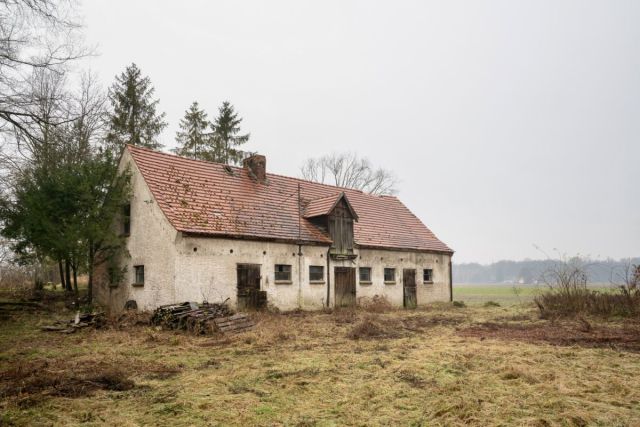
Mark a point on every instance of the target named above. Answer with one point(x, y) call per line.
point(420, 367)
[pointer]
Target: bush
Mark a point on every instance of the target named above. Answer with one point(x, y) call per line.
point(568, 294)
point(459, 304)
point(559, 303)
point(491, 304)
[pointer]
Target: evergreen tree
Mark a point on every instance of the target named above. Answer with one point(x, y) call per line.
point(226, 135)
point(134, 119)
point(194, 140)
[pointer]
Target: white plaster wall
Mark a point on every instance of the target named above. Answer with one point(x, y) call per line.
point(209, 272)
point(150, 243)
point(206, 269)
point(378, 260)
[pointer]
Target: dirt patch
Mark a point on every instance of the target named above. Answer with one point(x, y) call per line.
point(625, 338)
point(373, 327)
point(514, 318)
point(27, 383)
point(419, 323)
point(42, 378)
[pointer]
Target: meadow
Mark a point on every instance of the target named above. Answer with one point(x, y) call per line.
point(437, 365)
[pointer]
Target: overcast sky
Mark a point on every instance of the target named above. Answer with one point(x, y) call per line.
point(509, 123)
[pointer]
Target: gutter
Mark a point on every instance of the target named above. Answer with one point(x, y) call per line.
point(450, 282)
point(328, 276)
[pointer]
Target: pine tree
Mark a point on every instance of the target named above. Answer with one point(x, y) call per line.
point(226, 138)
point(134, 119)
point(194, 140)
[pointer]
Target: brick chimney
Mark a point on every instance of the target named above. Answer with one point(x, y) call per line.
point(256, 166)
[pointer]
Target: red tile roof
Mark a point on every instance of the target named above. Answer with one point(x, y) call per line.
point(213, 199)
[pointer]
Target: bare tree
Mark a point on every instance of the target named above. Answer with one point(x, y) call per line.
point(35, 36)
point(350, 171)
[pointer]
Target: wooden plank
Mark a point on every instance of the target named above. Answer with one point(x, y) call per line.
point(244, 322)
point(234, 317)
point(231, 319)
point(228, 325)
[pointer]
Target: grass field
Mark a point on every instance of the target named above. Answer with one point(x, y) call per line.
point(503, 294)
point(440, 365)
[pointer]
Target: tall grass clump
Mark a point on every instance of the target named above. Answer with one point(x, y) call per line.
point(568, 293)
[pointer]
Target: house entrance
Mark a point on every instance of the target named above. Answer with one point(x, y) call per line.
point(410, 299)
point(249, 294)
point(345, 286)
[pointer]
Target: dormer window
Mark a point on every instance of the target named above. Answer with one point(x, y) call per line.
point(335, 215)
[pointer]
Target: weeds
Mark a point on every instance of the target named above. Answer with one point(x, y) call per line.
point(373, 327)
point(376, 304)
point(568, 294)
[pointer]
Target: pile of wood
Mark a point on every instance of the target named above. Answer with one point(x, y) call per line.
point(82, 320)
point(200, 318)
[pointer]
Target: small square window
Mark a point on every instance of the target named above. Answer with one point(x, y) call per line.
point(283, 273)
point(139, 275)
point(126, 219)
point(365, 274)
point(427, 275)
point(316, 273)
point(389, 274)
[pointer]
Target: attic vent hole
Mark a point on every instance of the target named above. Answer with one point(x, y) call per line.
point(195, 249)
point(230, 251)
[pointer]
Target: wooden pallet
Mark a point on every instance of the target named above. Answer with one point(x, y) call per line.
point(240, 322)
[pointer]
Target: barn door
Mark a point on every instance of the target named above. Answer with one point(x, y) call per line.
point(410, 299)
point(345, 286)
point(249, 294)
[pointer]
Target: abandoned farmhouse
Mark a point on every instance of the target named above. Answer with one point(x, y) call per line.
point(197, 230)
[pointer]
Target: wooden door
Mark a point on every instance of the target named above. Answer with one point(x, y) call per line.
point(249, 294)
point(410, 299)
point(345, 286)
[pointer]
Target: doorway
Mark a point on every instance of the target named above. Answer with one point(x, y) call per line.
point(410, 297)
point(345, 286)
point(249, 294)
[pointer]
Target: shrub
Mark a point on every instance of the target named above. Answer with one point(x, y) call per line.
point(568, 294)
point(491, 304)
point(459, 304)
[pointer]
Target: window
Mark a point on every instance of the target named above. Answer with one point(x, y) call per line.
point(283, 273)
point(139, 275)
point(427, 275)
point(126, 219)
point(365, 274)
point(316, 273)
point(389, 274)
point(113, 277)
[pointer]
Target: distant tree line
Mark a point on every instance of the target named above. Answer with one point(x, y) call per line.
point(532, 271)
